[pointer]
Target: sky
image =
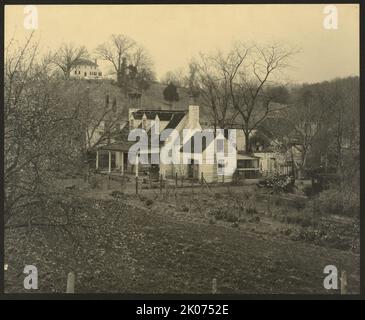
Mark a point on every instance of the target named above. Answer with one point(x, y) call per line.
point(173, 34)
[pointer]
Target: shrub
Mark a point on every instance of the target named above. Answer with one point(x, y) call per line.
point(117, 194)
point(227, 214)
point(93, 181)
point(231, 217)
point(251, 210)
point(242, 220)
point(334, 201)
point(299, 204)
point(149, 202)
point(280, 182)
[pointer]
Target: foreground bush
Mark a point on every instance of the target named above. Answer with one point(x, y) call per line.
point(335, 201)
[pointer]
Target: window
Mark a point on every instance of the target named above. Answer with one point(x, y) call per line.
point(75, 71)
point(85, 74)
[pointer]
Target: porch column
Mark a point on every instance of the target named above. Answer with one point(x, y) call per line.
point(122, 166)
point(97, 160)
point(110, 162)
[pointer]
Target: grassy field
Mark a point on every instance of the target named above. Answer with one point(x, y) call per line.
point(171, 243)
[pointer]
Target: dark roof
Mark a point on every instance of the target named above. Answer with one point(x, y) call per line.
point(119, 146)
point(176, 119)
point(86, 62)
point(163, 115)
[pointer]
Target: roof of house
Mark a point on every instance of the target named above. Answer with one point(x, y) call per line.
point(86, 62)
point(163, 115)
point(175, 120)
point(243, 155)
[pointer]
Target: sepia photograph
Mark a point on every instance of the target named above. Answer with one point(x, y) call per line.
point(181, 149)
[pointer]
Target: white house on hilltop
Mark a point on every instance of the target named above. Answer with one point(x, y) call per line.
point(86, 69)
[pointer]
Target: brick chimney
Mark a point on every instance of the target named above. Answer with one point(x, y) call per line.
point(193, 117)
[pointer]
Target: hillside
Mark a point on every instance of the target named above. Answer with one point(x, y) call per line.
point(151, 98)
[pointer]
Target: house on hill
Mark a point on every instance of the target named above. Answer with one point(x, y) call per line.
point(86, 69)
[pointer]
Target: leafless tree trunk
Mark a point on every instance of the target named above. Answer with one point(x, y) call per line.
point(67, 57)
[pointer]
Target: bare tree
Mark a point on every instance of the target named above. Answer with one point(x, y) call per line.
point(90, 122)
point(141, 72)
point(250, 73)
point(117, 51)
point(213, 85)
point(67, 57)
point(33, 128)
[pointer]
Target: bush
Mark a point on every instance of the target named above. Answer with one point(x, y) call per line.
point(280, 182)
point(149, 202)
point(226, 214)
point(334, 201)
point(251, 210)
point(231, 217)
point(93, 181)
point(117, 194)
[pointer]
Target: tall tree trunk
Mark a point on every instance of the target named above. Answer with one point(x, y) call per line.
point(247, 141)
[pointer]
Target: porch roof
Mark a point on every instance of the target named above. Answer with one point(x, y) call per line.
point(245, 156)
point(123, 146)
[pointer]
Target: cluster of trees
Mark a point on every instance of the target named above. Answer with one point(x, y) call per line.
point(246, 88)
point(129, 60)
point(50, 125)
point(242, 86)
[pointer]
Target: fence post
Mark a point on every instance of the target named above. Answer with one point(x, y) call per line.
point(343, 282)
point(136, 184)
point(70, 283)
point(214, 286)
point(108, 183)
point(160, 183)
point(176, 179)
point(202, 181)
